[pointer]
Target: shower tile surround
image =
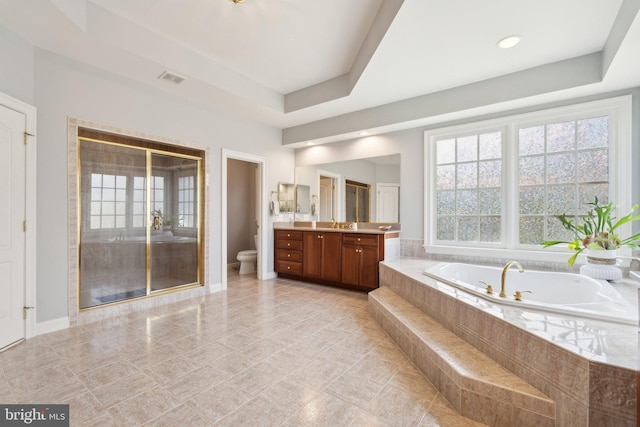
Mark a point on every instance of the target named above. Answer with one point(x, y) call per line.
point(588, 368)
point(76, 316)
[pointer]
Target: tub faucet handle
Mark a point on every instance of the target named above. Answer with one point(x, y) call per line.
point(489, 287)
point(518, 295)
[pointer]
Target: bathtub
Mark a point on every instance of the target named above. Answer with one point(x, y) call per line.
point(562, 293)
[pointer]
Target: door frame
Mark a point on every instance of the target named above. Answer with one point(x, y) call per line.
point(261, 162)
point(29, 112)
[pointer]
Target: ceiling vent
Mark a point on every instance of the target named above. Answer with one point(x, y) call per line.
point(171, 77)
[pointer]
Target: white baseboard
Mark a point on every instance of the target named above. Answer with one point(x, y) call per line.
point(215, 287)
point(52, 325)
point(271, 275)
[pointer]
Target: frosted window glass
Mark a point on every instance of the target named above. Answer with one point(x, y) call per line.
point(446, 151)
point(490, 146)
point(561, 199)
point(531, 140)
point(490, 229)
point(446, 228)
point(561, 137)
point(593, 133)
point(467, 202)
point(593, 166)
point(446, 202)
point(561, 168)
point(467, 175)
point(445, 177)
point(490, 201)
point(467, 148)
point(531, 170)
point(490, 174)
point(468, 229)
point(531, 230)
point(532, 200)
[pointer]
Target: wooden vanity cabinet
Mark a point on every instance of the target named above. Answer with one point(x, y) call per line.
point(361, 254)
point(321, 255)
point(336, 258)
point(288, 252)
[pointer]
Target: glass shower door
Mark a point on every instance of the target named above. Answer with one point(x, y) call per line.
point(173, 240)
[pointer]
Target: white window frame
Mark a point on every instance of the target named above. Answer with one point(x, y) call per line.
point(619, 111)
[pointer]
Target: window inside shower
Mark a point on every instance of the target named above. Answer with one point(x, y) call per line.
point(140, 222)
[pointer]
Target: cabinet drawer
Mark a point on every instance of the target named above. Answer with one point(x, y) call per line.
point(288, 235)
point(289, 267)
point(289, 244)
point(289, 255)
point(360, 239)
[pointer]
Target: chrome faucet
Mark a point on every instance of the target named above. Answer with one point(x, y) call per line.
point(503, 293)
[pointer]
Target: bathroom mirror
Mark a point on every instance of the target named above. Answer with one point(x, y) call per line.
point(328, 181)
point(303, 199)
point(286, 197)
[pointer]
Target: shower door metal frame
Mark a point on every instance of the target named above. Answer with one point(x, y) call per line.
point(149, 223)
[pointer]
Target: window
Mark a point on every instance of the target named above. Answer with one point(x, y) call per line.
point(186, 201)
point(140, 198)
point(499, 184)
point(108, 201)
point(468, 188)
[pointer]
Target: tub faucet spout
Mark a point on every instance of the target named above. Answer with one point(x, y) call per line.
point(503, 293)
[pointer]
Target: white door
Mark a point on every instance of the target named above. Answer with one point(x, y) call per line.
point(12, 236)
point(326, 199)
point(388, 203)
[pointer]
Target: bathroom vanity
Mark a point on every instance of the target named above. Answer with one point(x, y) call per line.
point(334, 256)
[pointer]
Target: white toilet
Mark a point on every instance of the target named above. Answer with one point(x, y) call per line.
point(248, 259)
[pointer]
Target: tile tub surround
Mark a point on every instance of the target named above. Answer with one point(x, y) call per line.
point(588, 368)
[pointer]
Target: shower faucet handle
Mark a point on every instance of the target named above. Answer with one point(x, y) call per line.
point(518, 295)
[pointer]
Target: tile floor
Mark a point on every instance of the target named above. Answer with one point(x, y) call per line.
point(271, 353)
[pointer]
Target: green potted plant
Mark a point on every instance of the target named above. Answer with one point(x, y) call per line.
point(597, 231)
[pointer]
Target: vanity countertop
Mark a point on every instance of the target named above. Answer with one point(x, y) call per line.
point(363, 228)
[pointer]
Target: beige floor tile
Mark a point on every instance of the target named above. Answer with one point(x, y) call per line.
point(218, 401)
point(143, 407)
point(179, 416)
point(261, 353)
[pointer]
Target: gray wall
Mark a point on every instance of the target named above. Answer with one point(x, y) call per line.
point(61, 88)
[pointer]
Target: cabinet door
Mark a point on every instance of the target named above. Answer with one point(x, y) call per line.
point(369, 261)
point(312, 254)
point(331, 259)
point(351, 265)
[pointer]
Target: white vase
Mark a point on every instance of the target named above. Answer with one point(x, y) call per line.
point(601, 264)
point(602, 256)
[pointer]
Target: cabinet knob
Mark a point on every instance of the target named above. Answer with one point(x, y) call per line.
point(288, 268)
point(288, 235)
point(358, 239)
point(288, 255)
point(288, 244)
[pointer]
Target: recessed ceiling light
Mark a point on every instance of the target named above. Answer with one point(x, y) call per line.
point(508, 42)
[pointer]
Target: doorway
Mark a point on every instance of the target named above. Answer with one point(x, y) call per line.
point(17, 221)
point(253, 209)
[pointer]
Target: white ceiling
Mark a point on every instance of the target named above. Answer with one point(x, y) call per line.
point(317, 68)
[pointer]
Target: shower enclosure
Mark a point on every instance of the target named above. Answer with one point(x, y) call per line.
point(140, 219)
